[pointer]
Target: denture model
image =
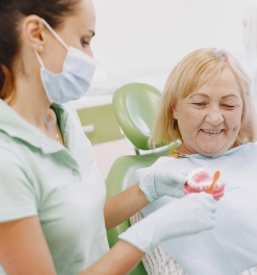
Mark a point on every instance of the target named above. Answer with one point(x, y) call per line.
point(199, 180)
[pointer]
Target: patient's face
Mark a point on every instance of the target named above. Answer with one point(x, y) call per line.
point(209, 119)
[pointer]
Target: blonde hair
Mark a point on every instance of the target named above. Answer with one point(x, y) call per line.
point(192, 72)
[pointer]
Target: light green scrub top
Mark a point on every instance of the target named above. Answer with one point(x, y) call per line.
point(61, 185)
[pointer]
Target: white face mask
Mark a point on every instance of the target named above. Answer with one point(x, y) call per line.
point(74, 80)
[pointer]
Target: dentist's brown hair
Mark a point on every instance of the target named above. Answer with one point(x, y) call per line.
point(12, 12)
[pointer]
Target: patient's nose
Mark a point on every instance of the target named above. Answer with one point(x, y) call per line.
point(214, 115)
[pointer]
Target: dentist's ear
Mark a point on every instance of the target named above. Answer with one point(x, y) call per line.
point(34, 33)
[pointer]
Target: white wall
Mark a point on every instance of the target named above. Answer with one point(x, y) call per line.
point(146, 38)
point(143, 40)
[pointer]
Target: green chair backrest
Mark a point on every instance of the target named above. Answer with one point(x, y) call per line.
point(135, 106)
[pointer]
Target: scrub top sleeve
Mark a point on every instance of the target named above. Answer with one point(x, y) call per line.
point(17, 196)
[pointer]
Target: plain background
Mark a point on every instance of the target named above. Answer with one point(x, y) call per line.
point(144, 39)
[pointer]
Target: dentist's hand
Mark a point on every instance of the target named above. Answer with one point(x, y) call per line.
point(189, 215)
point(163, 183)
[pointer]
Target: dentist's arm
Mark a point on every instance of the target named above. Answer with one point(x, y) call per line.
point(24, 251)
point(189, 215)
point(120, 260)
point(124, 205)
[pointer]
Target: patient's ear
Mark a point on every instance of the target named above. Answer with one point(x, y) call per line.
point(174, 111)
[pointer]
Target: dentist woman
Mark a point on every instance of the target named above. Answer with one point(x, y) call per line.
point(53, 208)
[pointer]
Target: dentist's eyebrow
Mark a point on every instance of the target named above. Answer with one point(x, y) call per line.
point(86, 32)
point(93, 33)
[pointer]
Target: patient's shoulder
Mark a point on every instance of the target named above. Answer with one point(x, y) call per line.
point(163, 160)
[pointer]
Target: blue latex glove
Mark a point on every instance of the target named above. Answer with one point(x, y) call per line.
point(189, 215)
point(163, 183)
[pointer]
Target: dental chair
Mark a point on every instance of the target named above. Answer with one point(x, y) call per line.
point(135, 106)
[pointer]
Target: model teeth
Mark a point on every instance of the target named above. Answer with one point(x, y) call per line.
point(202, 185)
point(212, 131)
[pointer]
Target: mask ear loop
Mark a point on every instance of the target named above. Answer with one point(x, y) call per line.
point(55, 34)
point(39, 59)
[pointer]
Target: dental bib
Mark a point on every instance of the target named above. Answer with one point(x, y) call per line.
point(231, 246)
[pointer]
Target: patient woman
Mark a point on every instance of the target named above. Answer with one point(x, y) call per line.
point(206, 104)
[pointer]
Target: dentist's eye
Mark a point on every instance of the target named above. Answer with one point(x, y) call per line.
point(84, 42)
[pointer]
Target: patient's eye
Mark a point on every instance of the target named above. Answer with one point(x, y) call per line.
point(199, 104)
point(228, 106)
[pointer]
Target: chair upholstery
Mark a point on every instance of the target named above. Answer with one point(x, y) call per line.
point(135, 106)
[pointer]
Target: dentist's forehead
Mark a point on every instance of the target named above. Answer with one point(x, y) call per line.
point(84, 17)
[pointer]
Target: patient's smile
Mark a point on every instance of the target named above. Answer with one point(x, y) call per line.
point(212, 131)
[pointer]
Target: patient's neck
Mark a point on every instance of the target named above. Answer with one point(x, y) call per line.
point(187, 151)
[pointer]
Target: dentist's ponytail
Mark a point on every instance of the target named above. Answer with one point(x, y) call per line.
point(12, 12)
point(8, 47)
